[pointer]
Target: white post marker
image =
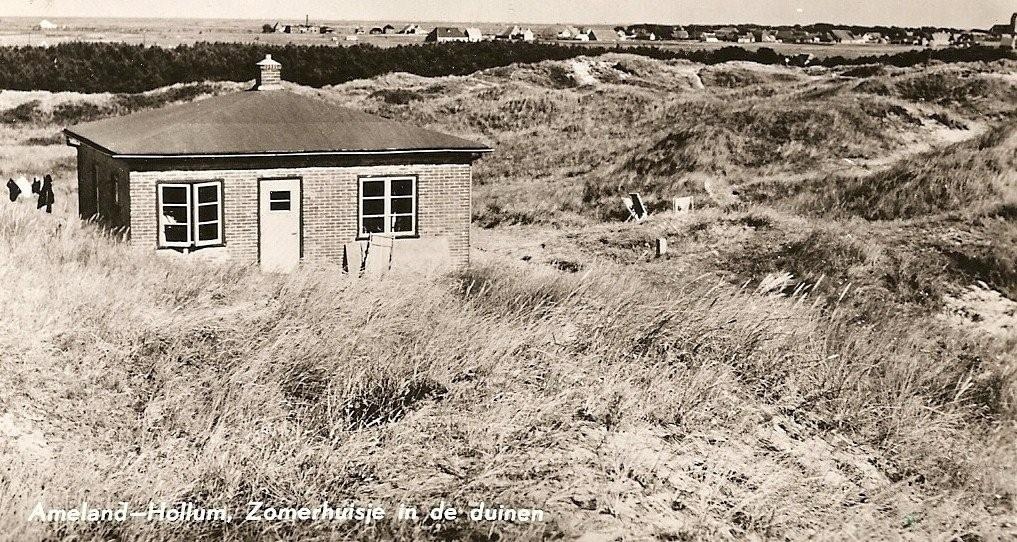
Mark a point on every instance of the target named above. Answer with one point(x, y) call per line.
point(683, 204)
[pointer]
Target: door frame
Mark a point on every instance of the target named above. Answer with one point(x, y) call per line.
point(300, 219)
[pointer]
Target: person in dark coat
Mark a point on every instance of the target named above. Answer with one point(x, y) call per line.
point(46, 197)
point(14, 189)
point(36, 185)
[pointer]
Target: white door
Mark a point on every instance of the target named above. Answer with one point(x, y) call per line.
point(280, 224)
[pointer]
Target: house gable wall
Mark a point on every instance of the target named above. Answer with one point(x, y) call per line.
point(96, 173)
point(330, 206)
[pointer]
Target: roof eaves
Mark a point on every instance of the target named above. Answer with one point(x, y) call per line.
point(269, 154)
point(68, 132)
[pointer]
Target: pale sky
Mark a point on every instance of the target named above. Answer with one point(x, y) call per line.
point(954, 13)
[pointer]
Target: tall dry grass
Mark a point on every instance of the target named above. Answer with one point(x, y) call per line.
point(674, 408)
point(155, 378)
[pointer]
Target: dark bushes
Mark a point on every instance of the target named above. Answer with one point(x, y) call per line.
point(924, 56)
point(396, 96)
point(120, 67)
point(75, 112)
point(26, 113)
point(54, 139)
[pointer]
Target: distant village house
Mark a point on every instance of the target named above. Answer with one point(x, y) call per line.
point(474, 35)
point(1007, 33)
point(727, 33)
point(644, 34)
point(559, 32)
point(514, 33)
point(846, 37)
point(443, 34)
point(305, 28)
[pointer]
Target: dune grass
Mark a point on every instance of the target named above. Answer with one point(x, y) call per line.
point(682, 397)
point(659, 127)
point(162, 379)
point(973, 178)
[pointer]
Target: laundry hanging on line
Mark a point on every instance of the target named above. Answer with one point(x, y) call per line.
point(46, 196)
point(41, 189)
point(14, 190)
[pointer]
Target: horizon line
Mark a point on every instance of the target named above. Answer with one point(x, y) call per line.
point(280, 19)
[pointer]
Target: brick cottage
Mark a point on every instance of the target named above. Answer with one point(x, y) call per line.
point(275, 177)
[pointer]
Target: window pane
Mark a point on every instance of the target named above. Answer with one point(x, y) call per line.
point(175, 234)
point(403, 224)
point(208, 232)
point(402, 187)
point(374, 207)
point(373, 188)
point(174, 194)
point(374, 225)
point(208, 213)
point(279, 205)
point(208, 194)
point(174, 214)
point(402, 205)
point(279, 195)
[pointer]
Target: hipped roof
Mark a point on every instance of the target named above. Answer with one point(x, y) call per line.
point(261, 122)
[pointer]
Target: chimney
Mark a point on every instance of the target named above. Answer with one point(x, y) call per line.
point(269, 78)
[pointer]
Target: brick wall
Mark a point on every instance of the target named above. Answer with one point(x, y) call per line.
point(103, 188)
point(329, 206)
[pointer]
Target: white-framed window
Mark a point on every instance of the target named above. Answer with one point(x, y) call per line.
point(190, 214)
point(388, 205)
